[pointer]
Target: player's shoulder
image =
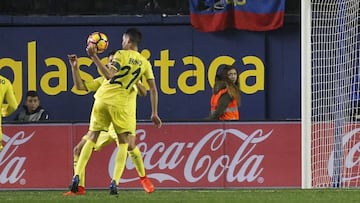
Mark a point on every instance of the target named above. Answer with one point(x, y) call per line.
point(99, 79)
point(143, 59)
point(123, 51)
point(4, 80)
point(147, 62)
point(125, 54)
point(119, 53)
point(134, 55)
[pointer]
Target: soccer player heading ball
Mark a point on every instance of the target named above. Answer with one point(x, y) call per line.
point(112, 102)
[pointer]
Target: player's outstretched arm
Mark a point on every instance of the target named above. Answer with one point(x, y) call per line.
point(78, 82)
point(11, 105)
point(91, 51)
point(141, 89)
point(154, 103)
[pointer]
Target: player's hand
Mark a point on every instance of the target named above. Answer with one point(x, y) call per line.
point(73, 60)
point(4, 110)
point(156, 120)
point(91, 49)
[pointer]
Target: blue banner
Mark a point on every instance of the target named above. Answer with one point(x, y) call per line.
point(185, 61)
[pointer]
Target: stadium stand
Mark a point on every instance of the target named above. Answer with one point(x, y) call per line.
point(110, 7)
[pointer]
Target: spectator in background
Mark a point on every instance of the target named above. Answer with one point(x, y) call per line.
point(32, 111)
point(225, 99)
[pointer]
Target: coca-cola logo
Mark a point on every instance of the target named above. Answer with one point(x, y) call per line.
point(350, 147)
point(201, 163)
point(12, 166)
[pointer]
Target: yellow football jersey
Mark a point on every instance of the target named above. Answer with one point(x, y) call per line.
point(93, 85)
point(130, 66)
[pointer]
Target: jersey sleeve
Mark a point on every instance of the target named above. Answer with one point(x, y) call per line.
point(148, 73)
point(12, 104)
point(93, 85)
point(117, 60)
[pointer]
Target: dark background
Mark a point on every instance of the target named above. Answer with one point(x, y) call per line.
point(108, 7)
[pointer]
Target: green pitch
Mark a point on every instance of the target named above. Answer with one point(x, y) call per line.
point(191, 196)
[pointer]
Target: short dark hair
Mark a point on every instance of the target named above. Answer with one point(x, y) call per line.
point(135, 35)
point(32, 93)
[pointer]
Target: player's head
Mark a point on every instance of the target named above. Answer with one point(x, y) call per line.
point(131, 39)
point(32, 101)
point(228, 74)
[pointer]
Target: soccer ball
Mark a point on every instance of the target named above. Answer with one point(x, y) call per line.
point(100, 40)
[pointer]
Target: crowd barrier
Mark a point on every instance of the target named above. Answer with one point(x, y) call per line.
point(177, 155)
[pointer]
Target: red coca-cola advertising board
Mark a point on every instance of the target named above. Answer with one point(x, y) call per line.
point(178, 155)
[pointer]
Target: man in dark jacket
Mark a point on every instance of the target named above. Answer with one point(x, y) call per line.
point(32, 111)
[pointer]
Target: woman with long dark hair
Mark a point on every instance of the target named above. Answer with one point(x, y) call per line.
point(225, 99)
